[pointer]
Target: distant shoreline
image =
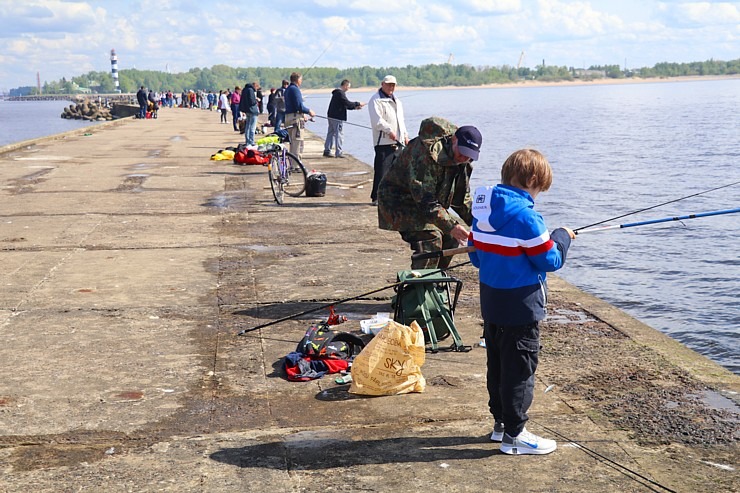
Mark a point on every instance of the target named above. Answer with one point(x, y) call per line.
point(561, 83)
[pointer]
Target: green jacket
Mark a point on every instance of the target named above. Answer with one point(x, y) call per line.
point(421, 185)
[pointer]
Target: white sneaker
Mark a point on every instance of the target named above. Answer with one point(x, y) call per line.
point(527, 443)
point(498, 431)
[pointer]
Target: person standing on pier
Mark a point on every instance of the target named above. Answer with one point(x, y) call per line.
point(337, 114)
point(513, 253)
point(280, 104)
point(389, 129)
point(248, 106)
point(296, 113)
point(236, 97)
point(142, 100)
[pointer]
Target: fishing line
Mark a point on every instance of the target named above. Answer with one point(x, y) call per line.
point(324, 307)
point(654, 206)
point(347, 123)
point(612, 463)
point(325, 49)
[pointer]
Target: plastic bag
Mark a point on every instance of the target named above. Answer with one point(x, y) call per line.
point(390, 363)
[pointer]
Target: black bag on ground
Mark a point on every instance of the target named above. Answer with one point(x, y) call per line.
point(316, 185)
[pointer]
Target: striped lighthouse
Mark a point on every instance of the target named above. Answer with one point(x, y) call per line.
point(114, 69)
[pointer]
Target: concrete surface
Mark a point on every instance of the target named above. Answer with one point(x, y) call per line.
point(130, 262)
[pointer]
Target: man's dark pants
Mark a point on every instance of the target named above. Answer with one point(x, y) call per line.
point(429, 241)
point(513, 354)
point(381, 152)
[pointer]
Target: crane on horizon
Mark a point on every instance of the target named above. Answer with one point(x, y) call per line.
point(521, 59)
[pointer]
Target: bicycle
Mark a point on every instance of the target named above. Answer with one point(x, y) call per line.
point(286, 172)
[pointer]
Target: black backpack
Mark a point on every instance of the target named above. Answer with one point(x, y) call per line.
point(321, 341)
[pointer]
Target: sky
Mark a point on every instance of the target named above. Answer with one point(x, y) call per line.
point(60, 38)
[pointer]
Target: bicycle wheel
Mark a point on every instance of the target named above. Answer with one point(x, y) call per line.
point(295, 176)
point(276, 183)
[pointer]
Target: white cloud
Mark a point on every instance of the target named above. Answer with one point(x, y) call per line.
point(575, 19)
point(494, 6)
point(67, 38)
point(702, 13)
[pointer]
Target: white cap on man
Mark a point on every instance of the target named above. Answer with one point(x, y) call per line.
point(389, 79)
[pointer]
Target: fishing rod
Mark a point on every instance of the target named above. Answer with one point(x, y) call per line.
point(656, 221)
point(654, 206)
point(467, 249)
point(328, 305)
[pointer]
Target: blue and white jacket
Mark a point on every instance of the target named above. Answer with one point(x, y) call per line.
point(513, 251)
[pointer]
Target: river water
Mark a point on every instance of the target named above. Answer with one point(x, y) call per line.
point(614, 149)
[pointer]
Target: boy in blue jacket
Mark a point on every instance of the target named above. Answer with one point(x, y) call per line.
point(513, 251)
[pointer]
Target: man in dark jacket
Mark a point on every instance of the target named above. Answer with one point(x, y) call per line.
point(248, 106)
point(142, 100)
point(337, 114)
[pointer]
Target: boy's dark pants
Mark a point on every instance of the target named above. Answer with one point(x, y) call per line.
point(512, 360)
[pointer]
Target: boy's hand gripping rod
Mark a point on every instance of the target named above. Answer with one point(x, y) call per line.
point(468, 249)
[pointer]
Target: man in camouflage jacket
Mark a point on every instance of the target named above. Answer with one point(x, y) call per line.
point(431, 175)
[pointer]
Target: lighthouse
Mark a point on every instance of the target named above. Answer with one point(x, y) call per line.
point(114, 69)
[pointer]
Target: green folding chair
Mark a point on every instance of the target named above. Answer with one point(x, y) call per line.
point(424, 295)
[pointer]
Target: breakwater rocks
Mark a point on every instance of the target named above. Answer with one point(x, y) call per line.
point(87, 110)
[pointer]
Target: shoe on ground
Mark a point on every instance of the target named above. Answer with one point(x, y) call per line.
point(498, 432)
point(326, 154)
point(527, 443)
point(374, 202)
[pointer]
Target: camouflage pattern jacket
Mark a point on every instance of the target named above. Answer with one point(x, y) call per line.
point(423, 182)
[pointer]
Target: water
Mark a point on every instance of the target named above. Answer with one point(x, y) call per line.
point(23, 120)
point(616, 149)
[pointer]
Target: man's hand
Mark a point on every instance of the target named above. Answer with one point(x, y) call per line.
point(570, 233)
point(460, 234)
point(392, 136)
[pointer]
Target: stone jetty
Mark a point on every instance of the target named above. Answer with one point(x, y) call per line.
point(131, 261)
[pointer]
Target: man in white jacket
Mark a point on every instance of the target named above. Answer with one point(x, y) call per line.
point(389, 129)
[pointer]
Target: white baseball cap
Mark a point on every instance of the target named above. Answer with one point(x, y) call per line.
point(389, 79)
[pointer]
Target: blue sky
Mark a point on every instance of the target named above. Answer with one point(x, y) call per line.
point(67, 38)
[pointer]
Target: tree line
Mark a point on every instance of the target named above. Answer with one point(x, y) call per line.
point(433, 75)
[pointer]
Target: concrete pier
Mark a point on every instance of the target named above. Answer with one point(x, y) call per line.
point(130, 261)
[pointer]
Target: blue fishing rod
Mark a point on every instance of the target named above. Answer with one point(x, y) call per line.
point(657, 221)
point(654, 207)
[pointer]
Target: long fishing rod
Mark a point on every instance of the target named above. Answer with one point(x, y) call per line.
point(656, 221)
point(654, 206)
point(467, 249)
point(345, 300)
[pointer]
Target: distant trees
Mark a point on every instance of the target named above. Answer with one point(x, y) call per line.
point(431, 75)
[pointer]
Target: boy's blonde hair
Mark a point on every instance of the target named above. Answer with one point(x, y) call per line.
point(527, 168)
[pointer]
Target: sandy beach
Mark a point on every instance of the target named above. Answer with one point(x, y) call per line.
point(561, 83)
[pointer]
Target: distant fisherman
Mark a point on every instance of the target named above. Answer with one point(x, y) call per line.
point(389, 129)
point(296, 113)
point(337, 114)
